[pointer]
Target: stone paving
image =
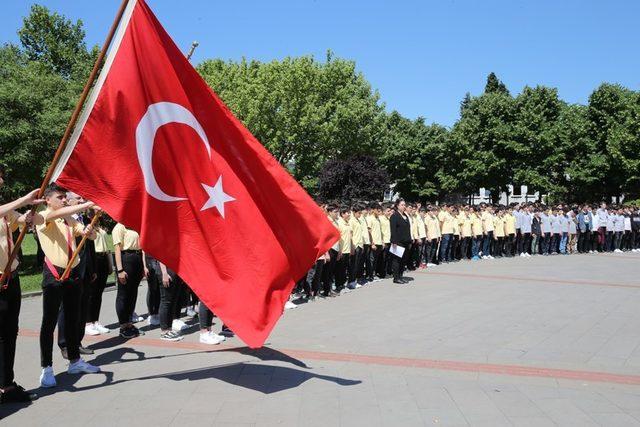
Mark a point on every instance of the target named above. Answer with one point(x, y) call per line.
point(515, 342)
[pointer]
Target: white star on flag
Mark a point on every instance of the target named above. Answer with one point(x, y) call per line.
point(217, 197)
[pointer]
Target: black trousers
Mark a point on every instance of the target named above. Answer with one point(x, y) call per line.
point(526, 243)
point(127, 295)
point(398, 264)
point(314, 278)
point(366, 260)
point(545, 243)
point(96, 289)
point(383, 261)
point(584, 239)
point(387, 258)
point(465, 245)
point(328, 272)
point(342, 269)
point(356, 265)
point(374, 256)
point(10, 301)
point(519, 242)
point(168, 298)
point(205, 316)
point(54, 295)
point(83, 314)
point(153, 286)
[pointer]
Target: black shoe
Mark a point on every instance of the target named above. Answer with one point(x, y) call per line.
point(17, 395)
point(65, 355)
point(226, 332)
point(85, 350)
point(399, 281)
point(130, 332)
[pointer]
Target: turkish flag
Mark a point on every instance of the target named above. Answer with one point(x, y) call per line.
point(158, 150)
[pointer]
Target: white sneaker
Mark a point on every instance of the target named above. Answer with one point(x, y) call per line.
point(590, 252)
point(484, 257)
point(522, 255)
point(358, 285)
point(90, 329)
point(209, 338)
point(191, 312)
point(528, 255)
point(135, 318)
point(101, 328)
point(489, 257)
point(289, 305)
point(431, 264)
point(82, 367)
point(178, 325)
point(153, 320)
point(47, 379)
point(217, 336)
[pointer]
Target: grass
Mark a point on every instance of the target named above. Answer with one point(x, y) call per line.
point(30, 271)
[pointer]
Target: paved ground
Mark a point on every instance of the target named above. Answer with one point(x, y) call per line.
point(524, 342)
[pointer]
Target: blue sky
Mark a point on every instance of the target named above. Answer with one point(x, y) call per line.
point(422, 56)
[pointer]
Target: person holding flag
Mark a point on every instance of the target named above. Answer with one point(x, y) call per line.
point(129, 271)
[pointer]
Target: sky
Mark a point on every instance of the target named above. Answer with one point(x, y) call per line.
point(421, 56)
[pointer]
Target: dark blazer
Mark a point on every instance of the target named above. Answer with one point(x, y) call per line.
point(400, 228)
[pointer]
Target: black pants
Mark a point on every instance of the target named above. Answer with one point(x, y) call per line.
point(465, 245)
point(83, 313)
point(519, 242)
point(584, 239)
point(168, 299)
point(205, 316)
point(398, 264)
point(383, 261)
point(328, 273)
point(375, 256)
point(545, 240)
point(525, 244)
point(96, 289)
point(387, 258)
point(356, 265)
point(509, 241)
point(10, 301)
point(342, 268)
point(313, 279)
point(55, 294)
point(127, 295)
point(153, 286)
point(366, 260)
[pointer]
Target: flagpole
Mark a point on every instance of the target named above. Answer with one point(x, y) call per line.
point(67, 132)
point(194, 45)
point(67, 270)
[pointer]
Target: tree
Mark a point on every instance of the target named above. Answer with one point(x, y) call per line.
point(495, 85)
point(305, 112)
point(354, 178)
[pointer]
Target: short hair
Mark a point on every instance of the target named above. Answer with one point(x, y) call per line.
point(54, 188)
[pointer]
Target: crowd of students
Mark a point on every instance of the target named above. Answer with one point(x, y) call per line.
point(376, 241)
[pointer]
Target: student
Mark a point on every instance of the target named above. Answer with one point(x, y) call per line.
point(499, 233)
point(488, 230)
point(446, 228)
point(536, 234)
point(170, 284)
point(510, 232)
point(205, 318)
point(477, 230)
point(366, 269)
point(313, 279)
point(526, 230)
point(347, 248)
point(103, 269)
point(400, 237)
point(635, 228)
point(433, 236)
point(150, 266)
point(573, 231)
point(546, 229)
point(602, 216)
point(556, 232)
point(454, 246)
point(563, 221)
point(422, 236)
point(619, 231)
point(385, 229)
point(610, 229)
point(585, 224)
point(11, 295)
point(328, 272)
point(466, 233)
point(57, 236)
point(377, 246)
point(129, 270)
point(356, 264)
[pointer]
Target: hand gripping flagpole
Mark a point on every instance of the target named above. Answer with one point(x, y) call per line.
point(91, 227)
point(67, 133)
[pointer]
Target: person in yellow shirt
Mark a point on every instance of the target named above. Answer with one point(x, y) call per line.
point(104, 268)
point(422, 236)
point(498, 236)
point(446, 228)
point(432, 225)
point(510, 232)
point(477, 231)
point(466, 232)
point(357, 243)
point(488, 228)
point(329, 269)
point(130, 271)
point(57, 237)
point(377, 246)
point(346, 248)
point(456, 241)
point(385, 229)
point(366, 268)
point(11, 295)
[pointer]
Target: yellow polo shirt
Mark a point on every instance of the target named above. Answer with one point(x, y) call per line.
point(129, 240)
point(356, 232)
point(433, 227)
point(365, 230)
point(414, 226)
point(498, 226)
point(422, 227)
point(385, 229)
point(509, 224)
point(447, 223)
point(345, 236)
point(376, 231)
point(101, 241)
point(476, 225)
point(466, 227)
point(487, 222)
point(8, 225)
point(53, 238)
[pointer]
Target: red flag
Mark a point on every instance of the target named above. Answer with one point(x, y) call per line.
point(158, 150)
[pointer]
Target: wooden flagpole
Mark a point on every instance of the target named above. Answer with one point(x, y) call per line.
point(67, 270)
point(67, 133)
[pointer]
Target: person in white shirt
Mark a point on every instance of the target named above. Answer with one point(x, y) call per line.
point(601, 216)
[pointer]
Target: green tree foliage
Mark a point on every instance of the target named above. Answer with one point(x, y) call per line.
point(351, 179)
